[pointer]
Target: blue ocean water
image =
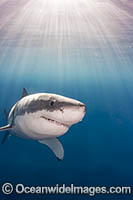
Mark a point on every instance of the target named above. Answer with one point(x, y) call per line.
point(95, 69)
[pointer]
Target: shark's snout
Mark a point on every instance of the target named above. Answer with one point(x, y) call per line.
point(74, 113)
point(84, 108)
point(82, 105)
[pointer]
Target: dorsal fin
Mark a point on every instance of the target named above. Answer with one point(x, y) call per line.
point(25, 93)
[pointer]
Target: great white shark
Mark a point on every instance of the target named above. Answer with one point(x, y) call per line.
point(43, 117)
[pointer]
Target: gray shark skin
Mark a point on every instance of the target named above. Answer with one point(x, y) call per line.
point(44, 117)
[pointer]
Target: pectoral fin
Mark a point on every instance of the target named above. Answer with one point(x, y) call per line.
point(55, 145)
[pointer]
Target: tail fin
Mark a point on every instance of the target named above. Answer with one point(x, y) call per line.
point(6, 128)
point(6, 115)
point(6, 136)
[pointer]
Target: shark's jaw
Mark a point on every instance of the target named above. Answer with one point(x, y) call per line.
point(37, 126)
point(55, 122)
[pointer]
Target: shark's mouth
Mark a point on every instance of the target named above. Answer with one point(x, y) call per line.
point(55, 122)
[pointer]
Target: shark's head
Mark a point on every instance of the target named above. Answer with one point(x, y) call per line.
point(51, 113)
point(62, 109)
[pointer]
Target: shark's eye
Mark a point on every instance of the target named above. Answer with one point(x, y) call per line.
point(52, 102)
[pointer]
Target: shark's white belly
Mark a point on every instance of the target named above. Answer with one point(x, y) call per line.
point(33, 127)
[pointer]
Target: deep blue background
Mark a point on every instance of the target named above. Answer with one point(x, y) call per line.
point(95, 67)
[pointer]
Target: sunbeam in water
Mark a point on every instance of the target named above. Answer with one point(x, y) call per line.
point(82, 49)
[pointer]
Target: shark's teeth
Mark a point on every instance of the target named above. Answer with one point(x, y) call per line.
point(55, 122)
